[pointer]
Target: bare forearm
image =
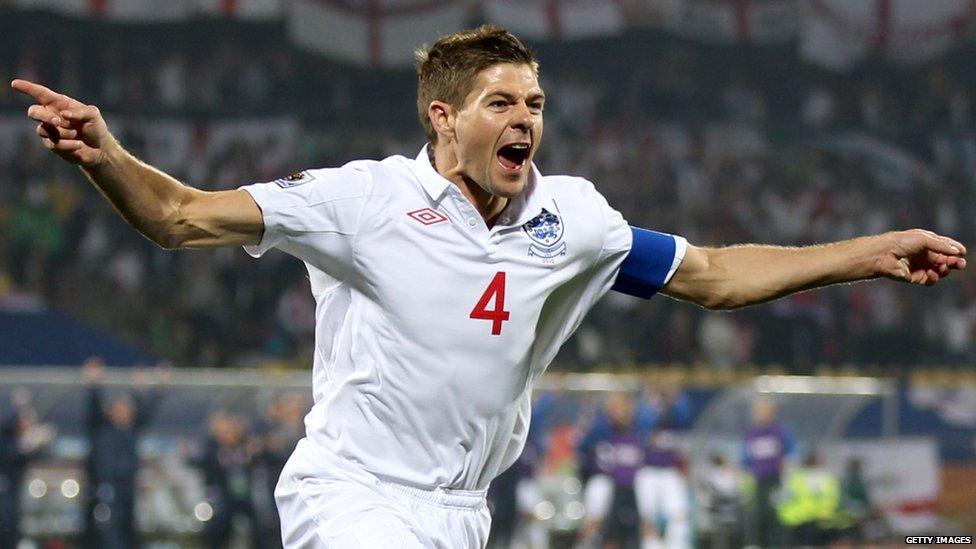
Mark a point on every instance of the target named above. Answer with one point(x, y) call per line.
point(160, 207)
point(737, 276)
point(145, 197)
point(775, 271)
point(749, 274)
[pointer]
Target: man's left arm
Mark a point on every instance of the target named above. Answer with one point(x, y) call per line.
point(737, 276)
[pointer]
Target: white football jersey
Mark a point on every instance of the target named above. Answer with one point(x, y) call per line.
point(431, 327)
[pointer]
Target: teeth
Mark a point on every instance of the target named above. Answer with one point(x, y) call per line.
point(520, 146)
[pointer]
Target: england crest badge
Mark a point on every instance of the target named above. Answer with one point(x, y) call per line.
point(546, 232)
point(294, 180)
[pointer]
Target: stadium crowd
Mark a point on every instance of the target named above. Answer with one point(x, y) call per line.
point(719, 145)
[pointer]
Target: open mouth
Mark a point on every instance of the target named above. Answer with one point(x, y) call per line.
point(512, 157)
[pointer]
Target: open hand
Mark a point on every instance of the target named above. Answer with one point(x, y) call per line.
point(920, 257)
point(71, 129)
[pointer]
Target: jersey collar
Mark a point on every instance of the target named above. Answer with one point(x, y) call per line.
point(433, 183)
point(520, 210)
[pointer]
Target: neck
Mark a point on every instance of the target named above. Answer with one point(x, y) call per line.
point(446, 163)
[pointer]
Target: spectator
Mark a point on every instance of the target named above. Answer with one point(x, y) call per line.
point(609, 499)
point(809, 503)
point(661, 489)
point(282, 431)
point(228, 462)
point(721, 498)
point(22, 438)
point(113, 460)
point(863, 522)
point(766, 449)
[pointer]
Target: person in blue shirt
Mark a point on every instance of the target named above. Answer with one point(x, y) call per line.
point(662, 398)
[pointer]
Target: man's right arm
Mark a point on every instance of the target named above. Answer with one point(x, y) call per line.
point(169, 213)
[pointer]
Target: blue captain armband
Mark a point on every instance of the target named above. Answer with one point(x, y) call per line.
point(652, 259)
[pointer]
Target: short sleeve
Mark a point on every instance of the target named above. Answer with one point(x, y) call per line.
point(314, 214)
point(652, 261)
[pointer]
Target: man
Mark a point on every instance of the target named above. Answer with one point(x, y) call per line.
point(660, 487)
point(113, 460)
point(280, 432)
point(617, 453)
point(445, 285)
point(227, 464)
point(767, 448)
point(809, 503)
point(720, 491)
point(22, 439)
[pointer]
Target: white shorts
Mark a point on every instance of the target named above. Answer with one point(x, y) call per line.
point(598, 496)
point(661, 491)
point(328, 502)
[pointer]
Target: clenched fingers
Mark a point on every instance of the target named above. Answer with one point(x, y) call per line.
point(45, 115)
point(81, 114)
point(950, 261)
point(62, 145)
point(55, 133)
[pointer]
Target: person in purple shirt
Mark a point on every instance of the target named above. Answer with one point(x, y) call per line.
point(661, 489)
point(616, 453)
point(766, 449)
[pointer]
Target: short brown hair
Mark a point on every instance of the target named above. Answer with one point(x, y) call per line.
point(446, 71)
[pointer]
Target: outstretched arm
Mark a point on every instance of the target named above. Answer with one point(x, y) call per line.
point(167, 212)
point(737, 276)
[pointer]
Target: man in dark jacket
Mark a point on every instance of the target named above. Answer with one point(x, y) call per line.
point(113, 460)
point(21, 439)
point(227, 463)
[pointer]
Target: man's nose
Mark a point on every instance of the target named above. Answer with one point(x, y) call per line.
point(523, 118)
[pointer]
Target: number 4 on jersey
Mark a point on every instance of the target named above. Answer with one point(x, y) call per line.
point(496, 290)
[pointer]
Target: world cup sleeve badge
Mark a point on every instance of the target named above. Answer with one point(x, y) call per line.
point(294, 180)
point(546, 233)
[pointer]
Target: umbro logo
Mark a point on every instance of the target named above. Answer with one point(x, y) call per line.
point(427, 216)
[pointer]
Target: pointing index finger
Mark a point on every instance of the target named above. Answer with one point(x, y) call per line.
point(41, 93)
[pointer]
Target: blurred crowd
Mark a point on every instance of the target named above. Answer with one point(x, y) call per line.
point(721, 145)
point(599, 470)
point(640, 488)
point(238, 458)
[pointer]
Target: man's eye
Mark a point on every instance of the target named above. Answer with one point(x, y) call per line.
point(498, 103)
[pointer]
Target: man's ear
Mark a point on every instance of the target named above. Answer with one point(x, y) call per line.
point(442, 117)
